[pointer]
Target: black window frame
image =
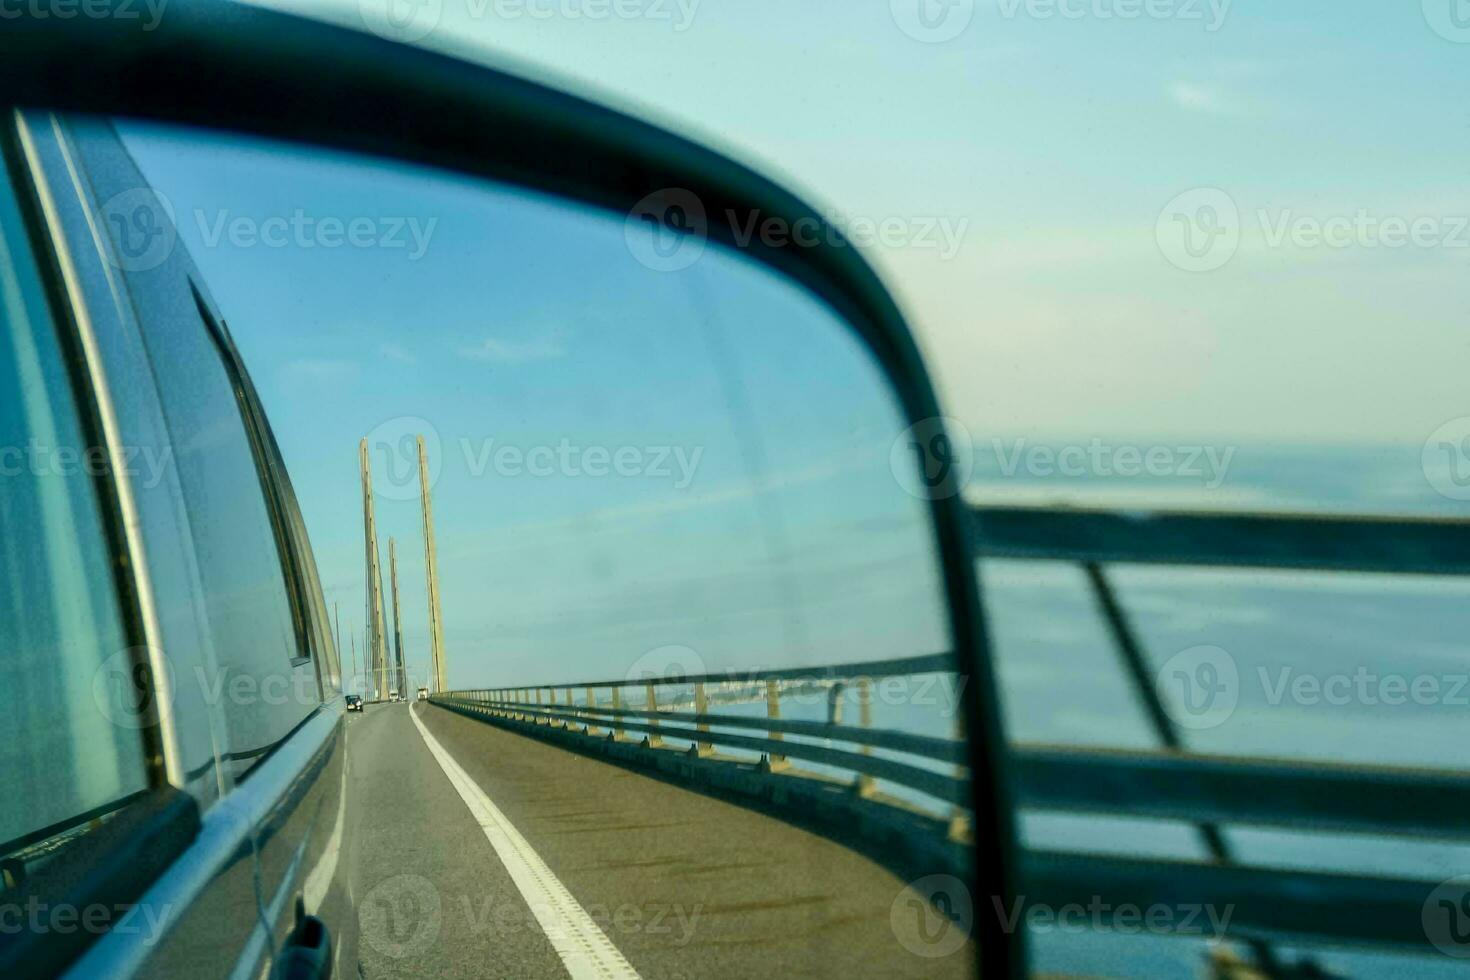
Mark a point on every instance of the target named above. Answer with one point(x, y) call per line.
point(266, 455)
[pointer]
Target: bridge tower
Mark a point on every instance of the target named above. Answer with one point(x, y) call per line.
point(397, 619)
point(437, 672)
point(376, 639)
point(355, 675)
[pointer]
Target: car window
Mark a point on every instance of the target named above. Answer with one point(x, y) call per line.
point(253, 593)
point(308, 618)
point(298, 564)
point(70, 736)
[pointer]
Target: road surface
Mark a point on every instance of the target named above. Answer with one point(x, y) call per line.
point(594, 871)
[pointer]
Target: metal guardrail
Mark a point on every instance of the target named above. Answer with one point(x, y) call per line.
point(605, 709)
point(1320, 797)
point(1312, 542)
point(1271, 904)
point(1264, 905)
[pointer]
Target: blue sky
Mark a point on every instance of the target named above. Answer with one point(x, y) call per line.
point(1052, 147)
point(754, 518)
point(1060, 140)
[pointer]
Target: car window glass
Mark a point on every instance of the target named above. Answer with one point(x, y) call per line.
point(264, 681)
point(70, 748)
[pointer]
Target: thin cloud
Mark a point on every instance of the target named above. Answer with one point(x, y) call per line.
point(396, 353)
point(515, 351)
point(1202, 98)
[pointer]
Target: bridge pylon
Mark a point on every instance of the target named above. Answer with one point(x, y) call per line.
point(402, 674)
point(376, 638)
point(437, 669)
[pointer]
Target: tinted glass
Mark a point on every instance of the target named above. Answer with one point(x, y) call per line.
point(69, 750)
point(252, 595)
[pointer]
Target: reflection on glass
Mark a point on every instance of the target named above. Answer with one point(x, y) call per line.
point(651, 487)
point(70, 746)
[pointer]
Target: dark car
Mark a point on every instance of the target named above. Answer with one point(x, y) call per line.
point(354, 702)
point(198, 570)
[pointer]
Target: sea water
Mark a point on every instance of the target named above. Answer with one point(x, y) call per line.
point(1336, 667)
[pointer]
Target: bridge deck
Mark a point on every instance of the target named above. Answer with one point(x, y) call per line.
point(683, 885)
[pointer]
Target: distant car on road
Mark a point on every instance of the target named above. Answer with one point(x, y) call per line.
point(393, 696)
point(354, 702)
point(423, 694)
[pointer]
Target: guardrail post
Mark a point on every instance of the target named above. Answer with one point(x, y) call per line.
point(591, 717)
point(539, 719)
point(865, 785)
point(701, 707)
point(617, 729)
point(551, 695)
point(834, 703)
point(653, 739)
point(959, 819)
point(773, 762)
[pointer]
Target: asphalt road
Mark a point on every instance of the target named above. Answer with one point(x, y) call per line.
point(683, 885)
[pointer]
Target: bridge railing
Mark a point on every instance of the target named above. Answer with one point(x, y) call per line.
point(1269, 904)
point(653, 711)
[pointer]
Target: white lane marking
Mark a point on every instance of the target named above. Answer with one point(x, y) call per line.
point(314, 892)
point(584, 949)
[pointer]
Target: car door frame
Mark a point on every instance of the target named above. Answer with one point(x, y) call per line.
point(115, 862)
point(177, 854)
